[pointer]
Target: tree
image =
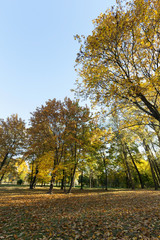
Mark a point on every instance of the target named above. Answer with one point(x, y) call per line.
point(22, 171)
point(120, 61)
point(12, 142)
point(58, 135)
point(47, 136)
point(78, 134)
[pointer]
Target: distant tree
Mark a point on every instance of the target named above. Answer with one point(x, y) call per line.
point(12, 142)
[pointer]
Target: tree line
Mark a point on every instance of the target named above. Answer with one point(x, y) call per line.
point(65, 141)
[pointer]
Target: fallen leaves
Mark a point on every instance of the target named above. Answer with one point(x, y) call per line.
point(81, 215)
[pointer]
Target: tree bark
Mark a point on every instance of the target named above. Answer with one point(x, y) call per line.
point(4, 160)
point(51, 184)
point(156, 171)
point(106, 177)
point(146, 147)
point(128, 168)
point(90, 180)
point(82, 180)
point(33, 181)
point(75, 167)
point(155, 164)
point(139, 175)
point(2, 178)
point(72, 178)
point(3, 174)
point(63, 180)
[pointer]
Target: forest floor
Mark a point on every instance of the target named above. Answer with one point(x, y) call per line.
point(88, 214)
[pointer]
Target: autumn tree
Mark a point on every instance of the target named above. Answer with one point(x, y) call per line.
point(21, 171)
point(99, 161)
point(12, 142)
point(35, 147)
point(59, 135)
point(119, 61)
point(78, 133)
point(46, 133)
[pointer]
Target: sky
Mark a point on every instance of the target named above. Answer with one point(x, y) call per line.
point(38, 50)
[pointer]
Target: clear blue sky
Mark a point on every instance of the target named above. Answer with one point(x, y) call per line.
point(38, 50)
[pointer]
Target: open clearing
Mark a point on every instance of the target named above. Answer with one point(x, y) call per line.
point(26, 214)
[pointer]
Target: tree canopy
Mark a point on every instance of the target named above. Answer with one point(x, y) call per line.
point(119, 61)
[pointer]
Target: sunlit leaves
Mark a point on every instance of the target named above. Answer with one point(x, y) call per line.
point(119, 62)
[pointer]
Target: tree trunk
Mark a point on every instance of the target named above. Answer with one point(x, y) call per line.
point(82, 180)
point(155, 164)
point(106, 177)
point(56, 183)
point(2, 178)
point(72, 178)
point(146, 147)
point(157, 131)
point(90, 181)
point(156, 171)
point(153, 174)
point(127, 180)
point(128, 168)
point(33, 180)
point(63, 180)
point(4, 161)
point(3, 174)
point(51, 184)
point(75, 167)
point(139, 175)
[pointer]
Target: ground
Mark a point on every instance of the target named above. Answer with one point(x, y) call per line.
point(88, 214)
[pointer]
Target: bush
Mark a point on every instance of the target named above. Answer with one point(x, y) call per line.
point(20, 182)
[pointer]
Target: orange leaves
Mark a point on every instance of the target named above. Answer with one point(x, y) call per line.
point(81, 215)
point(58, 137)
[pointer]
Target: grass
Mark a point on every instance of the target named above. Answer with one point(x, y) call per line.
point(88, 214)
